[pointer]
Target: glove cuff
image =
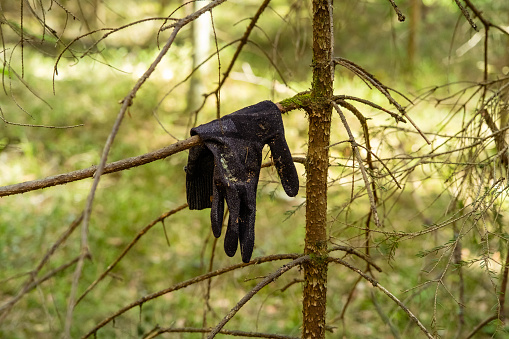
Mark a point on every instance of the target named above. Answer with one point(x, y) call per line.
point(199, 192)
point(199, 173)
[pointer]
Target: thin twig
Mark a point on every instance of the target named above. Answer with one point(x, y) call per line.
point(108, 30)
point(384, 317)
point(466, 15)
point(243, 41)
point(33, 274)
point(187, 283)
point(89, 172)
point(349, 299)
point(154, 333)
point(22, 40)
point(384, 290)
point(363, 122)
point(206, 297)
point(353, 251)
point(270, 278)
point(128, 247)
point(369, 103)
point(32, 284)
point(32, 125)
point(401, 17)
point(369, 78)
point(360, 162)
point(384, 165)
point(500, 312)
point(481, 325)
point(461, 293)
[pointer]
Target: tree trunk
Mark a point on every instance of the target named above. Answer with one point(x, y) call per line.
point(315, 271)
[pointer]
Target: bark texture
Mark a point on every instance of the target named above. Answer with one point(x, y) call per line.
point(315, 271)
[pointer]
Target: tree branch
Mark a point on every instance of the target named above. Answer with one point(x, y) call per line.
point(31, 281)
point(270, 278)
point(116, 166)
point(157, 331)
point(361, 165)
point(131, 244)
point(187, 283)
point(384, 290)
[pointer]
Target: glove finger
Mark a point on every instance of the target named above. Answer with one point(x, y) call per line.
point(217, 209)
point(231, 238)
point(247, 225)
point(285, 166)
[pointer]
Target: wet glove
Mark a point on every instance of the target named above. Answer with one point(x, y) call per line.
point(227, 167)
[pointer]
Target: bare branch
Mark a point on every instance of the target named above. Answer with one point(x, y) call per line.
point(31, 285)
point(401, 17)
point(157, 331)
point(113, 167)
point(369, 103)
point(243, 41)
point(189, 282)
point(361, 164)
point(353, 251)
point(270, 278)
point(128, 247)
point(369, 78)
point(466, 15)
point(31, 282)
point(31, 125)
point(384, 290)
point(116, 166)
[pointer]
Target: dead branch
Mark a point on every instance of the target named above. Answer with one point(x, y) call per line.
point(116, 166)
point(32, 125)
point(500, 312)
point(187, 283)
point(396, 117)
point(157, 331)
point(113, 167)
point(361, 164)
point(384, 290)
point(353, 251)
point(370, 79)
point(384, 165)
point(466, 15)
point(384, 317)
point(31, 281)
point(243, 41)
point(270, 278)
point(31, 285)
point(478, 208)
point(401, 17)
point(128, 247)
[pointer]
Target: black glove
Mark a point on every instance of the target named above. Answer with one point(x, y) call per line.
point(228, 167)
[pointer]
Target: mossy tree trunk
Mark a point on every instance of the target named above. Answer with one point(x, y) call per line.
point(315, 271)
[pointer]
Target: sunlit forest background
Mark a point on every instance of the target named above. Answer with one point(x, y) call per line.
point(443, 245)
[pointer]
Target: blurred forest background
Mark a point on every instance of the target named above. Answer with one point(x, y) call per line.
point(443, 247)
